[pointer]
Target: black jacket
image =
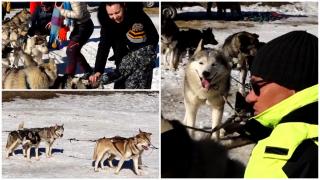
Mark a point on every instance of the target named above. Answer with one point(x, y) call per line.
point(39, 21)
point(114, 35)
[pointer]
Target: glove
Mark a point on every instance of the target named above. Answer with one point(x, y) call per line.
point(63, 33)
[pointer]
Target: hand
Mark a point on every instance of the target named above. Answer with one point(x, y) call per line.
point(95, 77)
point(48, 26)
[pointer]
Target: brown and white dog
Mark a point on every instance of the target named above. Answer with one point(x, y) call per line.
point(125, 148)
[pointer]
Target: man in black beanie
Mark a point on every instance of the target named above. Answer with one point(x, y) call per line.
point(284, 96)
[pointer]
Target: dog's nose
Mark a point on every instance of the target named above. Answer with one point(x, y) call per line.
point(206, 74)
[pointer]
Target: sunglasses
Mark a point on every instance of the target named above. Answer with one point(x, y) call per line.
point(257, 85)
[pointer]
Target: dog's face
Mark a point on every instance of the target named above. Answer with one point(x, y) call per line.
point(42, 48)
point(143, 140)
point(24, 15)
point(59, 129)
point(77, 83)
point(208, 37)
point(249, 43)
point(211, 66)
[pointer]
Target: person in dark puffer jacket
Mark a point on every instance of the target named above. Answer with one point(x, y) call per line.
point(41, 19)
point(133, 37)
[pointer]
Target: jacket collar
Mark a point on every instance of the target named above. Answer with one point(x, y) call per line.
point(272, 116)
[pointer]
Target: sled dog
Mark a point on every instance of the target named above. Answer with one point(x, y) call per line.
point(125, 148)
point(243, 46)
point(207, 81)
point(49, 135)
point(36, 46)
point(32, 77)
point(169, 35)
point(25, 137)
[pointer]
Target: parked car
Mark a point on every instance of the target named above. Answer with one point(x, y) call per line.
point(169, 9)
point(150, 4)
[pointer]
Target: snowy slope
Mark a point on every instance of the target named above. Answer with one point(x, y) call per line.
point(87, 118)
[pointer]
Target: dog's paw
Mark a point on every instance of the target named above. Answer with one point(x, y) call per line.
point(96, 170)
point(140, 173)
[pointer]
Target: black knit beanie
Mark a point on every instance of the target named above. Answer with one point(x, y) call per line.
point(290, 60)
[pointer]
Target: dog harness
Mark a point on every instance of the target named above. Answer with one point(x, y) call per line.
point(291, 149)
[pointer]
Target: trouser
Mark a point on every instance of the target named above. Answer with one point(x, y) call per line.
point(136, 68)
point(78, 38)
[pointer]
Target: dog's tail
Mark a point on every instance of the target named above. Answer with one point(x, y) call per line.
point(20, 127)
point(10, 139)
point(95, 151)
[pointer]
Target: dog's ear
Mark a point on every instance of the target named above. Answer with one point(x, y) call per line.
point(140, 130)
point(200, 47)
point(255, 35)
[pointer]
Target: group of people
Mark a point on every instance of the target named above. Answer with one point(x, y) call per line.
point(125, 28)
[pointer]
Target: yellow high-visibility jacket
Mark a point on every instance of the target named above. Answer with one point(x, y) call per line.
point(288, 144)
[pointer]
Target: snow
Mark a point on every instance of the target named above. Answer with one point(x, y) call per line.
point(303, 16)
point(85, 117)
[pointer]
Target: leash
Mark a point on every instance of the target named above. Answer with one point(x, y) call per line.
point(153, 147)
point(246, 85)
point(222, 125)
point(74, 139)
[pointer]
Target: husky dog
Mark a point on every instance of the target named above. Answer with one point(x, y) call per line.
point(32, 77)
point(207, 81)
point(169, 35)
point(125, 148)
point(68, 82)
point(25, 137)
point(188, 40)
point(243, 46)
point(36, 46)
point(49, 135)
point(21, 17)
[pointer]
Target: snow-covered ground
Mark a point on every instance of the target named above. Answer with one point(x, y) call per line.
point(303, 16)
point(85, 117)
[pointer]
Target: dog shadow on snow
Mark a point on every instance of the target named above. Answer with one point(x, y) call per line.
point(41, 151)
point(126, 165)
